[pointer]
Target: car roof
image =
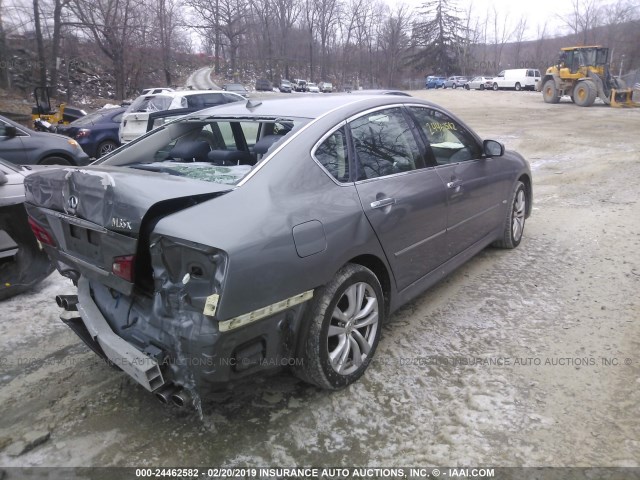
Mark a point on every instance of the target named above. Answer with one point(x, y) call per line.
point(308, 106)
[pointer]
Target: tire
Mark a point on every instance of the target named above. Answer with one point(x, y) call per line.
point(495, 87)
point(584, 94)
point(550, 93)
point(481, 86)
point(330, 360)
point(454, 86)
point(515, 218)
point(106, 147)
point(53, 160)
point(518, 87)
point(467, 87)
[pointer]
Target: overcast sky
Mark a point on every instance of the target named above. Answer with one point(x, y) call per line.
point(537, 12)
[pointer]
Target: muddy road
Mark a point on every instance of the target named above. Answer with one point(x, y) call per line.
point(527, 357)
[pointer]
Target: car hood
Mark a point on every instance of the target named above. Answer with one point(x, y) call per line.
point(116, 198)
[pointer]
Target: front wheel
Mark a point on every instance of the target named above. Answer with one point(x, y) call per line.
point(495, 87)
point(584, 94)
point(515, 218)
point(467, 87)
point(345, 318)
point(481, 87)
point(454, 86)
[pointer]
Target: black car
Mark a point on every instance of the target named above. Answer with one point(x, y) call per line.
point(97, 133)
point(263, 85)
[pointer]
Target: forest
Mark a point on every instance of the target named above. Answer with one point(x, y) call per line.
point(113, 48)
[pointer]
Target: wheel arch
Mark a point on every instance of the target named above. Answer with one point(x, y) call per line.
point(526, 180)
point(64, 155)
point(379, 269)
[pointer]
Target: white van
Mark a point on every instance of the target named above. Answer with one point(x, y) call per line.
point(518, 78)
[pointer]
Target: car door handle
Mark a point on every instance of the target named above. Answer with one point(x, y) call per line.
point(454, 184)
point(383, 203)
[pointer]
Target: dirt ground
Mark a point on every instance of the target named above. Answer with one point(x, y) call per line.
point(526, 357)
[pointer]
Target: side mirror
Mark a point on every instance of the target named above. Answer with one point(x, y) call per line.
point(492, 148)
point(3, 178)
point(10, 131)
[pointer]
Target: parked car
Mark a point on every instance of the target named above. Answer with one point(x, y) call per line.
point(285, 86)
point(22, 262)
point(434, 82)
point(263, 85)
point(136, 117)
point(312, 88)
point(22, 146)
point(455, 82)
point(380, 92)
point(97, 133)
point(156, 90)
point(300, 85)
point(479, 83)
point(237, 88)
point(517, 79)
point(325, 87)
point(252, 236)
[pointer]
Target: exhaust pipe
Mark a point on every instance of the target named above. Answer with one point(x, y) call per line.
point(68, 302)
point(181, 398)
point(164, 393)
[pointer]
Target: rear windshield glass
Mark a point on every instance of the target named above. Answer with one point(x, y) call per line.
point(219, 150)
point(150, 103)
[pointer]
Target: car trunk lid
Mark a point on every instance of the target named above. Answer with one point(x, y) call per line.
point(93, 217)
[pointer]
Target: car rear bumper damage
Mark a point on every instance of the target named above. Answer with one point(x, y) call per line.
point(187, 354)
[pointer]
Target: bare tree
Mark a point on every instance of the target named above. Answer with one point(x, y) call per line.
point(111, 24)
point(519, 32)
point(42, 65)
point(394, 42)
point(583, 18)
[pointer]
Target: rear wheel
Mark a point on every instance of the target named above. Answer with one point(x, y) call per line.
point(481, 86)
point(584, 94)
point(467, 87)
point(550, 92)
point(345, 324)
point(53, 160)
point(106, 147)
point(518, 87)
point(454, 86)
point(514, 221)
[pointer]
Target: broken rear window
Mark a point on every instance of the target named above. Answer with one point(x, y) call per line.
point(219, 150)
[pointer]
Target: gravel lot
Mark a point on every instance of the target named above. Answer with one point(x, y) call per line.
point(526, 357)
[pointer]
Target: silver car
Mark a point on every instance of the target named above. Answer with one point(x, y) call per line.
point(258, 236)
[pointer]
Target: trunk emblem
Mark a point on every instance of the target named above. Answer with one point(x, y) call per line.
point(72, 203)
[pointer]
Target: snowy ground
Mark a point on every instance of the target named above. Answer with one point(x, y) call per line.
point(526, 357)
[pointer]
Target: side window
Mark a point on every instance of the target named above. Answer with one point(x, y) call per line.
point(449, 141)
point(384, 144)
point(332, 155)
point(501, 74)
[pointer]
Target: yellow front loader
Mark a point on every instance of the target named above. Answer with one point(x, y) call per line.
point(583, 74)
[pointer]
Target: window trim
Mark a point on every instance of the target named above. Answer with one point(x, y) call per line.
point(315, 147)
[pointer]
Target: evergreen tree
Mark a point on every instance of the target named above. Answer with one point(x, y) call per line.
point(437, 37)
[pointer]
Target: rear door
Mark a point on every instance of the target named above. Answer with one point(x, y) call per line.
point(475, 185)
point(403, 199)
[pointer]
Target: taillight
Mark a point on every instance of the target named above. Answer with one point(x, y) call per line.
point(83, 132)
point(41, 234)
point(123, 267)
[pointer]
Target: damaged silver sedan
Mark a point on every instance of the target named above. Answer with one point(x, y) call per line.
point(253, 237)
